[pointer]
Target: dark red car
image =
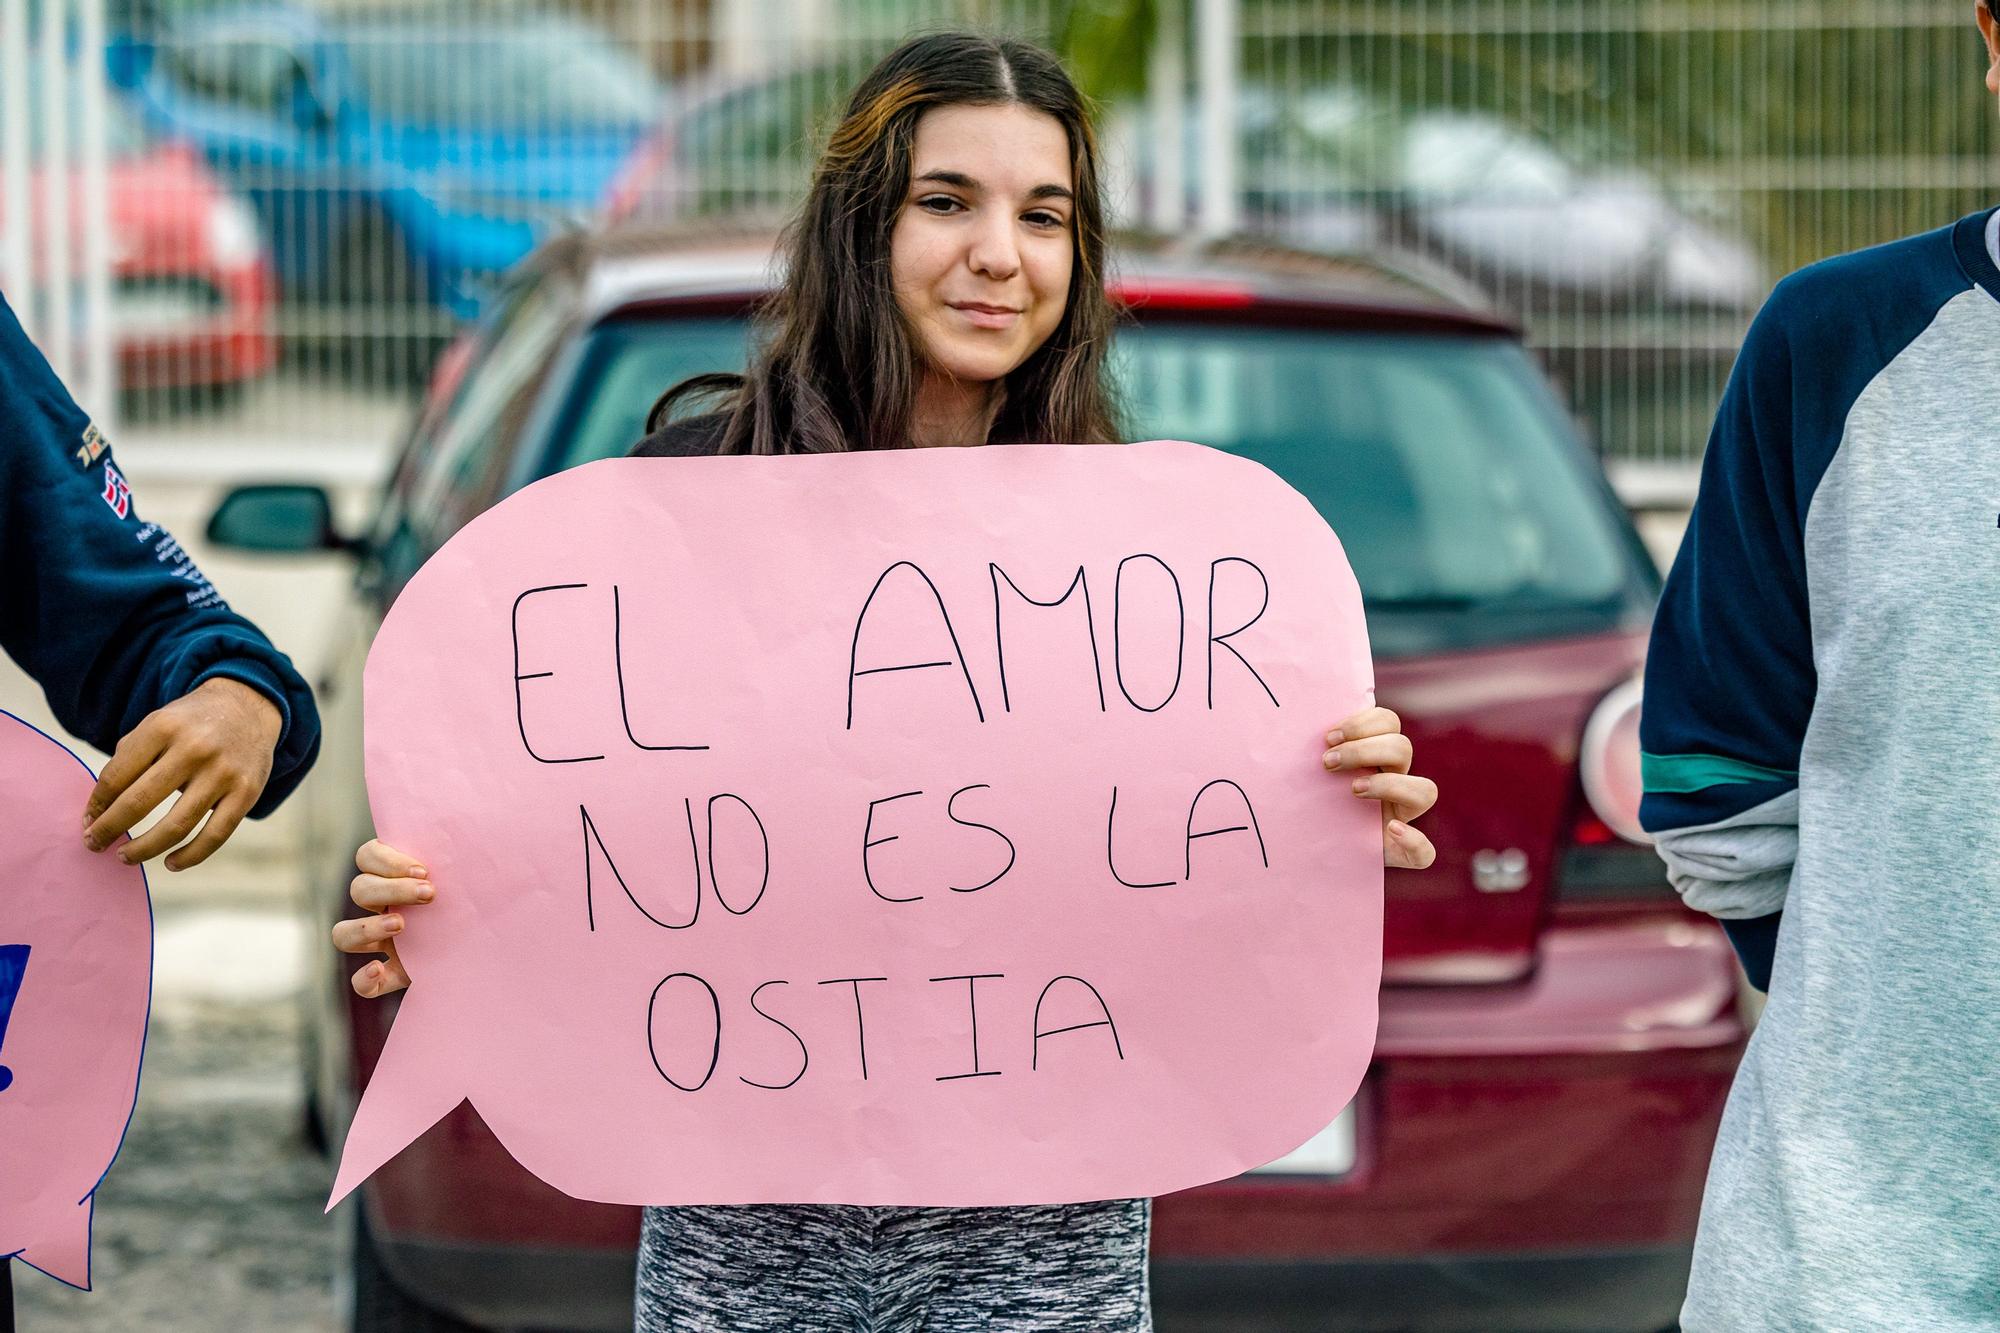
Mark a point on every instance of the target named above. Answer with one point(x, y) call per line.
point(1557, 1033)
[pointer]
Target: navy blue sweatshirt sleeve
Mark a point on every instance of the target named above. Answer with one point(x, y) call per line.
point(107, 612)
point(1756, 945)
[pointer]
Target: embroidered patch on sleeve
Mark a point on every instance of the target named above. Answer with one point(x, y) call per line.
point(92, 447)
point(116, 493)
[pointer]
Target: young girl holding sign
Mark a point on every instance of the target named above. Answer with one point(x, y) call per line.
point(944, 287)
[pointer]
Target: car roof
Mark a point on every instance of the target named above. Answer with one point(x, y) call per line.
point(637, 266)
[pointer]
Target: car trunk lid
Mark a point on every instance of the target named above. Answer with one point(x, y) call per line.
point(1499, 731)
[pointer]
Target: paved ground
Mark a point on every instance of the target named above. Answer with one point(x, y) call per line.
point(211, 1218)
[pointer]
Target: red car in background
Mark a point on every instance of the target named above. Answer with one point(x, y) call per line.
point(192, 289)
point(1557, 1033)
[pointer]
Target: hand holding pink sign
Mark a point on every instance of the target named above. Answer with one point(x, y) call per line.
point(76, 935)
point(936, 827)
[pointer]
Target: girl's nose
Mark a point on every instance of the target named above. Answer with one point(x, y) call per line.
point(994, 253)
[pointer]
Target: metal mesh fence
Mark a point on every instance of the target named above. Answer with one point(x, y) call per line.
point(1627, 178)
point(302, 202)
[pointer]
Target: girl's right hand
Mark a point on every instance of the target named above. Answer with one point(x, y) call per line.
point(388, 880)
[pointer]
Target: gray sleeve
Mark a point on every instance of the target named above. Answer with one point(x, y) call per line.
point(1738, 867)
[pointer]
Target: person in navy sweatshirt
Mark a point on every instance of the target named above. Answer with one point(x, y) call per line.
point(135, 650)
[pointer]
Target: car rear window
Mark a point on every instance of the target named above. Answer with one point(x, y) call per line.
point(1468, 509)
point(627, 364)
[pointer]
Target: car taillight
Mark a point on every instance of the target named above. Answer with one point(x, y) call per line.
point(1607, 857)
point(1190, 294)
point(1597, 866)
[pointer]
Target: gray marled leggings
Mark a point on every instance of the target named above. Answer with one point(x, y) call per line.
point(1064, 1268)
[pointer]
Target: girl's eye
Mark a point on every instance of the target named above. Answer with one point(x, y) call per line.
point(942, 205)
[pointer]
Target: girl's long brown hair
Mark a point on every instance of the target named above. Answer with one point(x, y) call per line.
point(837, 365)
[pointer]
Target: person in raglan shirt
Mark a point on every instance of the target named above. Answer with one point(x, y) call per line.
point(1821, 738)
point(135, 650)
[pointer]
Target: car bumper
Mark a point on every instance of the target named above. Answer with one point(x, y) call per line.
point(224, 337)
point(1561, 1126)
point(580, 1290)
point(1534, 1152)
point(1588, 1293)
point(590, 1291)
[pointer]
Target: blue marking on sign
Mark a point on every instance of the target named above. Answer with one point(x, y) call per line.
point(13, 966)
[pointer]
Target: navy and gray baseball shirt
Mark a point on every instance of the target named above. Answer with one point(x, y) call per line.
point(108, 613)
point(1822, 771)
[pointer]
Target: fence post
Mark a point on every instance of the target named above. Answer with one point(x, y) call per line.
point(1218, 54)
point(98, 389)
point(57, 338)
point(56, 249)
point(1166, 106)
point(17, 240)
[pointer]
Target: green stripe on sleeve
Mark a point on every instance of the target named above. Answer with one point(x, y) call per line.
point(1693, 772)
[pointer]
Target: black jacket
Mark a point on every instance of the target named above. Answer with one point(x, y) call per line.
point(690, 438)
point(106, 612)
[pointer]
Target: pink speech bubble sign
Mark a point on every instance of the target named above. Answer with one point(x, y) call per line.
point(881, 938)
point(75, 1032)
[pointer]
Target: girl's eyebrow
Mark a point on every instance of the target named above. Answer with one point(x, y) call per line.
point(959, 180)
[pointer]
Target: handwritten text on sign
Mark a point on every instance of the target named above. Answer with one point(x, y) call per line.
point(927, 827)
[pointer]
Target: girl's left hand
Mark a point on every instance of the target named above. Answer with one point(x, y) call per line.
point(1372, 747)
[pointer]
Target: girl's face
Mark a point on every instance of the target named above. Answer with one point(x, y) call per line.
point(981, 253)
